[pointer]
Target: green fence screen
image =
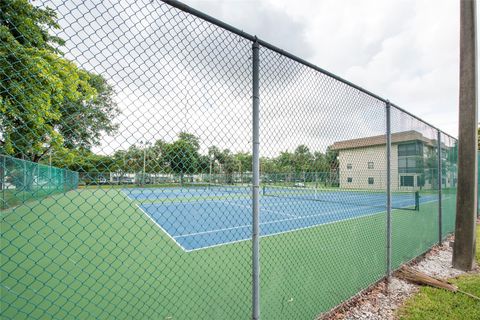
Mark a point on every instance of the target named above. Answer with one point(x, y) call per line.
point(22, 181)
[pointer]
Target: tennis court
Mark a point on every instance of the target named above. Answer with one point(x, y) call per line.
point(199, 218)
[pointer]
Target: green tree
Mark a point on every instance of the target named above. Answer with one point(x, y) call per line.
point(83, 122)
point(268, 166)
point(30, 25)
point(285, 162)
point(183, 155)
point(84, 161)
point(190, 138)
point(46, 102)
point(156, 158)
point(244, 160)
point(331, 157)
point(244, 164)
point(430, 168)
point(134, 159)
point(302, 158)
point(203, 165)
point(119, 158)
point(320, 162)
point(226, 160)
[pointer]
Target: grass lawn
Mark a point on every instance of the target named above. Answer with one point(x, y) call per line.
point(91, 253)
point(437, 304)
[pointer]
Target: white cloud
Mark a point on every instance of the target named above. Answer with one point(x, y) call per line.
point(403, 50)
point(174, 72)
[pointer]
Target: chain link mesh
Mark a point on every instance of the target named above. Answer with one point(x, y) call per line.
point(126, 171)
point(449, 182)
point(23, 181)
point(415, 154)
point(323, 240)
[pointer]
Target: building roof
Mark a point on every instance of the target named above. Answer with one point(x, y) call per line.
point(397, 137)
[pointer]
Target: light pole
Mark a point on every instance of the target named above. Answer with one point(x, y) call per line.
point(211, 167)
point(144, 164)
point(145, 146)
point(240, 168)
point(124, 169)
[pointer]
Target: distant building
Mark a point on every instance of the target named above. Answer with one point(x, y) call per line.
point(362, 162)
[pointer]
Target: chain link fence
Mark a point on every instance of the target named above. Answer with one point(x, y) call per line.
point(197, 172)
point(22, 181)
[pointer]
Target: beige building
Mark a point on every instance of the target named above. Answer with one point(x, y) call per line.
point(362, 162)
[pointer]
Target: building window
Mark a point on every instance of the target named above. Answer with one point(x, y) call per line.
point(410, 149)
point(410, 157)
point(349, 180)
point(409, 164)
point(371, 180)
point(349, 166)
point(406, 181)
point(370, 165)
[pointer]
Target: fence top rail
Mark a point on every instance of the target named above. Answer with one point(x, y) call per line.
point(183, 7)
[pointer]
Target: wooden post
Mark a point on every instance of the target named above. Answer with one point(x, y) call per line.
point(464, 246)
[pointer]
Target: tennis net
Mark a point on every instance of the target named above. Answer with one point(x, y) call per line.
point(405, 200)
point(224, 188)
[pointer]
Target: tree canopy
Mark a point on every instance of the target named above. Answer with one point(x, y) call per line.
point(46, 101)
point(51, 107)
point(184, 157)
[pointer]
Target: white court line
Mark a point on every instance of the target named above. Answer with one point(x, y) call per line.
point(283, 232)
point(168, 234)
point(155, 222)
point(211, 231)
point(266, 223)
point(190, 201)
point(263, 209)
point(298, 229)
point(282, 203)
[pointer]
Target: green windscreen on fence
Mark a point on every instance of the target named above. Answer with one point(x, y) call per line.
point(449, 183)
point(22, 181)
point(155, 108)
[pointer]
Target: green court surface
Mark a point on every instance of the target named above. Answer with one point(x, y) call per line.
point(92, 253)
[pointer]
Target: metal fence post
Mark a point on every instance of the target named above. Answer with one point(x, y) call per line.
point(256, 185)
point(440, 174)
point(389, 191)
point(3, 173)
point(24, 179)
point(37, 190)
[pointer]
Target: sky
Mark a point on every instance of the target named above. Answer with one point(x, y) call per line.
point(406, 51)
point(173, 72)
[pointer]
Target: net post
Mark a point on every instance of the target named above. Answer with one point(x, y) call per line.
point(389, 191)
point(439, 142)
point(417, 200)
point(255, 182)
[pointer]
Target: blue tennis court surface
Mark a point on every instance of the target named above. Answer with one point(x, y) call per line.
point(195, 223)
